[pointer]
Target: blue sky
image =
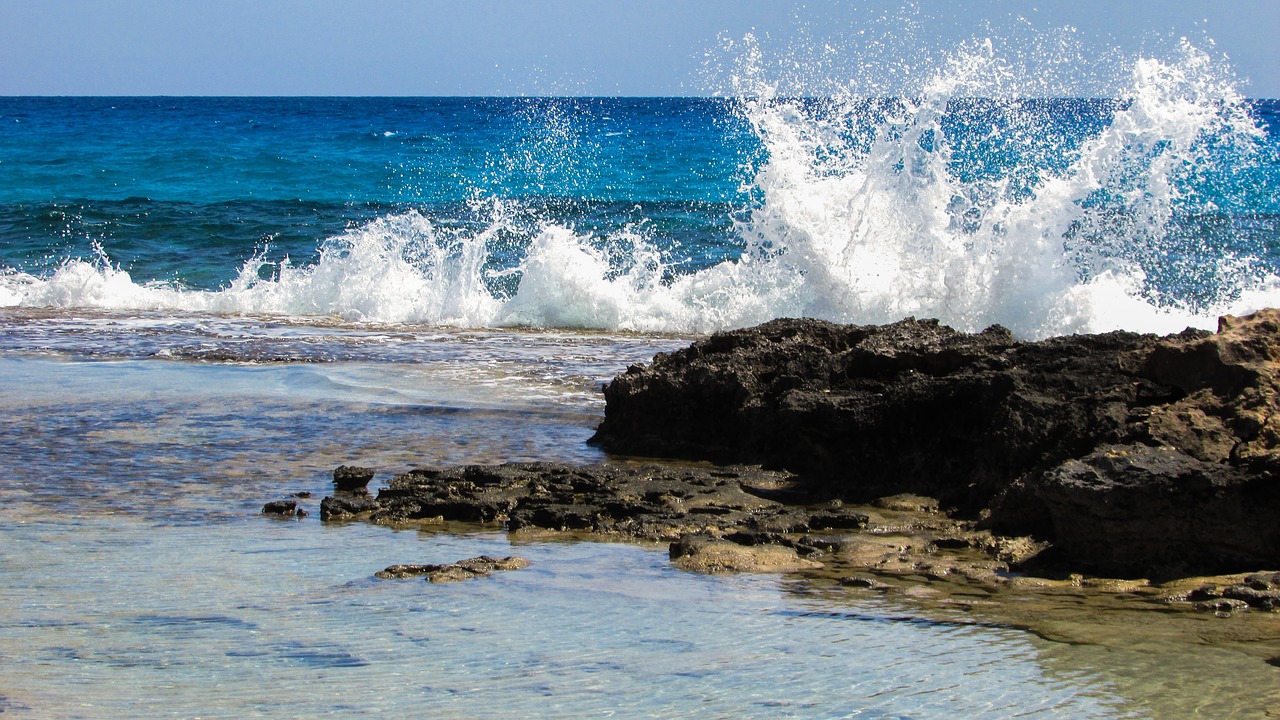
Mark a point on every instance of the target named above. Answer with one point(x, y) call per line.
point(553, 47)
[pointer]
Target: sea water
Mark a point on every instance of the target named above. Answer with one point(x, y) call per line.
point(212, 302)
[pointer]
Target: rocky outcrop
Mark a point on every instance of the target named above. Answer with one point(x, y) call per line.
point(1195, 487)
point(1134, 455)
point(346, 506)
point(1115, 455)
point(1258, 590)
point(725, 519)
point(651, 502)
point(352, 478)
point(1137, 510)
point(867, 411)
point(280, 507)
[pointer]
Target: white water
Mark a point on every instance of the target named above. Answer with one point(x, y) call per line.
point(863, 220)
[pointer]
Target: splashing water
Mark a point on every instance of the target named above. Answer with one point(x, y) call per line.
point(886, 210)
point(965, 199)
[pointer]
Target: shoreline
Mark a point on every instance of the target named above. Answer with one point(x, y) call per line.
point(952, 557)
point(909, 553)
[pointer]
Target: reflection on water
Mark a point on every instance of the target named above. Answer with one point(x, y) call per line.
point(138, 579)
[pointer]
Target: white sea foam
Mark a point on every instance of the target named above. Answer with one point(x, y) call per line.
point(890, 230)
point(864, 218)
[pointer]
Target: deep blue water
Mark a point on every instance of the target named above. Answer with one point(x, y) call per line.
point(189, 191)
point(188, 188)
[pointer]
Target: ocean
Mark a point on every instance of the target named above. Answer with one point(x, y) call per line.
point(209, 303)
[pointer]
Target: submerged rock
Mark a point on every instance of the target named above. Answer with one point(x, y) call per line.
point(475, 567)
point(708, 554)
point(1134, 455)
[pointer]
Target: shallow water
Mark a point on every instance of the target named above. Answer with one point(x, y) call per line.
point(268, 618)
point(139, 579)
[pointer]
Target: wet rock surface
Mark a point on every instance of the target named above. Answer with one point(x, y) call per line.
point(709, 554)
point(352, 478)
point(1133, 455)
point(476, 567)
point(1084, 489)
point(280, 507)
point(716, 519)
point(651, 502)
point(1260, 591)
point(725, 519)
point(346, 506)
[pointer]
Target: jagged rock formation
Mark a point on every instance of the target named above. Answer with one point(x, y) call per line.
point(646, 502)
point(716, 519)
point(1135, 455)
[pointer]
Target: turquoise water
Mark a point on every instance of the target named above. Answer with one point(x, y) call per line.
point(208, 303)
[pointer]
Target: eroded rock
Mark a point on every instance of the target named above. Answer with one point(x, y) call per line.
point(1135, 509)
point(708, 554)
point(873, 411)
point(352, 478)
point(280, 507)
point(346, 507)
point(653, 502)
point(1134, 455)
point(475, 567)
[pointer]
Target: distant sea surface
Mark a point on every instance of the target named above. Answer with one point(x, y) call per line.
point(208, 303)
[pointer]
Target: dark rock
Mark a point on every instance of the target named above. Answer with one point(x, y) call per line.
point(1133, 454)
point(1156, 510)
point(872, 411)
point(744, 532)
point(353, 479)
point(346, 507)
point(304, 494)
point(1114, 454)
point(481, 566)
point(1263, 581)
point(862, 581)
point(1203, 593)
point(1261, 599)
point(651, 502)
point(280, 507)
